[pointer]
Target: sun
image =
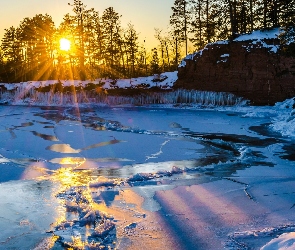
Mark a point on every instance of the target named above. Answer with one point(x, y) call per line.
point(64, 44)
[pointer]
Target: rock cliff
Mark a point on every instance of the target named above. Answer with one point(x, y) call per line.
point(252, 66)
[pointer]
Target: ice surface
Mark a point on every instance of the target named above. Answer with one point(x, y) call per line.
point(222, 173)
point(27, 210)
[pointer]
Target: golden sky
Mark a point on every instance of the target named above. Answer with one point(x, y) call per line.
point(145, 15)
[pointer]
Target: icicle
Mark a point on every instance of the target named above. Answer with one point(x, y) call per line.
point(26, 93)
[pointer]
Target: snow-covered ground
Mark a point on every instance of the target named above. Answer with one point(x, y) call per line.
point(164, 80)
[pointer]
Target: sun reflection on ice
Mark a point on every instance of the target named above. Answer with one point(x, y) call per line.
point(95, 211)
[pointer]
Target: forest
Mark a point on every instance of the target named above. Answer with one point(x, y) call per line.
point(101, 47)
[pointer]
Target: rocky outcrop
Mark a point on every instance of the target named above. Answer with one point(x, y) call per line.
point(255, 69)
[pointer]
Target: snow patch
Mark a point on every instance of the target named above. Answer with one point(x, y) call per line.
point(278, 238)
point(167, 79)
point(224, 58)
point(285, 241)
point(258, 38)
point(259, 35)
point(284, 122)
point(188, 57)
point(222, 42)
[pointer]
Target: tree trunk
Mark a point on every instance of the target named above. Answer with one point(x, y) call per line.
point(185, 26)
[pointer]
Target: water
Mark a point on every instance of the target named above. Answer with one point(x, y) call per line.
point(64, 171)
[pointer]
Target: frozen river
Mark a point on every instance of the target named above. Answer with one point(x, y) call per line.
point(131, 178)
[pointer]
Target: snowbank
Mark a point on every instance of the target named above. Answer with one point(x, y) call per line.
point(284, 122)
point(285, 241)
point(282, 115)
point(259, 35)
point(163, 80)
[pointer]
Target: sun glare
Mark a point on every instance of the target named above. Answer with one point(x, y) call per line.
point(64, 44)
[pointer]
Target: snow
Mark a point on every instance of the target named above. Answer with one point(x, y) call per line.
point(187, 57)
point(259, 35)
point(285, 241)
point(165, 80)
point(182, 64)
point(282, 116)
point(284, 122)
point(258, 38)
point(225, 55)
point(224, 58)
point(222, 42)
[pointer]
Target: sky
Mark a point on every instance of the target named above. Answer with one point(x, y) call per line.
point(145, 15)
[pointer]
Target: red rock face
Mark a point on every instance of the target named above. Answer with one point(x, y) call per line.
point(248, 69)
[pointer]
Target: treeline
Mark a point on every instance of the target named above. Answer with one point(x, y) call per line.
point(205, 21)
point(100, 47)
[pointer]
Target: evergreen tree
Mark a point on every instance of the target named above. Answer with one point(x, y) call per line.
point(154, 64)
point(232, 6)
point(80, 12)
point(142, 66)
point(179, 21)
point(2, 66)
point(80, 29)
point(95, 48)
point(36, 36)
point(175, 51)
point(12, 53)
point(67, 29)
point(111, 29)
point(197, 24)
point(131, 43)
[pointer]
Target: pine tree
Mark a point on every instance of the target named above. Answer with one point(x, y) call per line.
point(95, 47)
point(131, 44)
point(36, 36)
point(80, 12)
point(68, 29)
point(2, 66)
point(179, 21)
point(11, 50)
point(154, 64)
point(232, 5)
point(197, 24)
point(111, 29)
